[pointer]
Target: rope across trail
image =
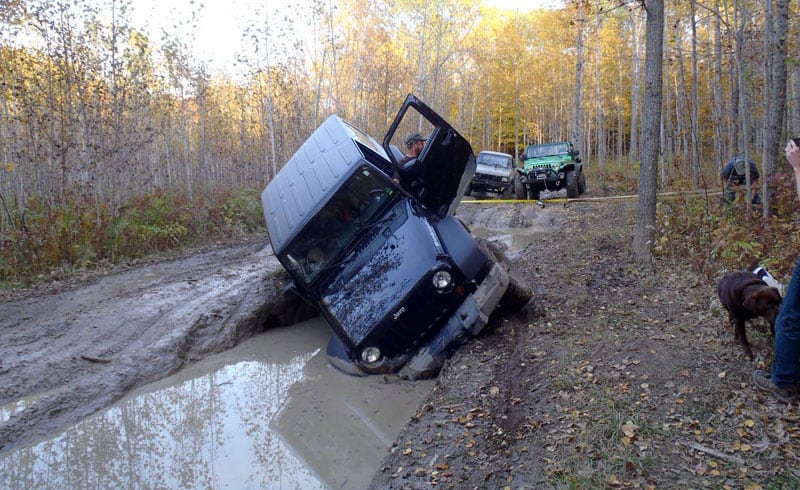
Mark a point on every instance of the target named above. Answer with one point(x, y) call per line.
point(589, 199)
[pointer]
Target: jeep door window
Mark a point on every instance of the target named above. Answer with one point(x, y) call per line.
point(441, 173)
point(354, 206)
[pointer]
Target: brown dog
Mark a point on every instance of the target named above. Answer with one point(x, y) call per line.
point(746, 296)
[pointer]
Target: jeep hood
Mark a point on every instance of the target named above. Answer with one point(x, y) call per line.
point(492, 170)
point(382, 283)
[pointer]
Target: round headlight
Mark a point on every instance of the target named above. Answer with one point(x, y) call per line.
point(505, 179)
point(370, 354)
point(442, 280)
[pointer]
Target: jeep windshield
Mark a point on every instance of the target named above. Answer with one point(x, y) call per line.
point(354, 207)
point(546, 150)
point(494, 160)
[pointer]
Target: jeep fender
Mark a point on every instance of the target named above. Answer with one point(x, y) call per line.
point(567, 167)
point(466, 322)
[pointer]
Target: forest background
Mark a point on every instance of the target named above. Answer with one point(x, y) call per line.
point(115, 143)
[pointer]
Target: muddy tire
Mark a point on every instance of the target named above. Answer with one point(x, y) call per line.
point(519, 292)
point(581, 183)
point(572, 185)
point(519, 188)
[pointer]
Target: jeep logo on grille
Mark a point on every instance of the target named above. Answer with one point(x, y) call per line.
point(399, 312)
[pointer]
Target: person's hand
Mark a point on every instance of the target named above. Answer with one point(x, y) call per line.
point(793, 155)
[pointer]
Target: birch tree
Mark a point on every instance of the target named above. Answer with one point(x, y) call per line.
point(577, 98)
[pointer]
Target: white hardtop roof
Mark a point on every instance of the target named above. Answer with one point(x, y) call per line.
point(495, 153)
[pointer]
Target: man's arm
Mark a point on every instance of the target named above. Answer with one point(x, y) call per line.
point(726, 172)
point(754, 175)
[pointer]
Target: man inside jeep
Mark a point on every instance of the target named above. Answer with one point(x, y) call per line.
point(415, 142)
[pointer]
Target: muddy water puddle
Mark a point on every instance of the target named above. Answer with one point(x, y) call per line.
point(270, 413)
point(514, 239)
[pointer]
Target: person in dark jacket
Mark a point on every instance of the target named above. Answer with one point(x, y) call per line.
point(733, 177)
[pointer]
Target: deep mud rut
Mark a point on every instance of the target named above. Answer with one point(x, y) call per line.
point(69, 353)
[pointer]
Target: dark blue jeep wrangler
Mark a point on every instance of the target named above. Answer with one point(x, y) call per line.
point(369, 238)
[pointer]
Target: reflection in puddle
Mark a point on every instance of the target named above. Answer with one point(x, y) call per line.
point(270, 413)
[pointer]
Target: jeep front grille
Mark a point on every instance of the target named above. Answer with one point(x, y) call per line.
point(413, 329)
point(490, 178)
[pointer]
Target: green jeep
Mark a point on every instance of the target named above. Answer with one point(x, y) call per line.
point(552, 167)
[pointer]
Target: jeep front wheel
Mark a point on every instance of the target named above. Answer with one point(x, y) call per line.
point(519, 187)
point(572, 185)
point(519, 292)
point(581, 183)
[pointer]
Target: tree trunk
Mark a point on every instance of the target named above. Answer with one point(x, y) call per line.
point(794, 109)
point(694, 102)
point(644, 230)
point(636, 70)
point(577, 112)
point(716, 93)
point(744, 142)
point(774, 117)
point(682, 112)
point(601, 130)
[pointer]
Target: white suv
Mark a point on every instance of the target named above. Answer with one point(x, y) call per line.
point(493, 174)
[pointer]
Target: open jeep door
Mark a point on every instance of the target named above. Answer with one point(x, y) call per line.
point(441, 173)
